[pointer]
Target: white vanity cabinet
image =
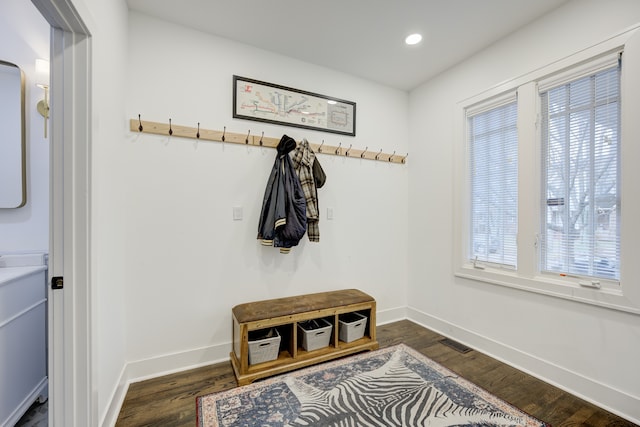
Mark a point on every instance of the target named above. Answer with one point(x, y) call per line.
point(23, 340)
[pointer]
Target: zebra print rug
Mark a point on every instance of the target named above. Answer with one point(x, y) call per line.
point(394, 386)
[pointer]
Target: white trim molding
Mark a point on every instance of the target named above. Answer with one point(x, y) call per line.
point(159, 366)
point(601, 395)
point(73, 402)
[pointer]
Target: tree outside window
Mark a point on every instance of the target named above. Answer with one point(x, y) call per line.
point(580, 230)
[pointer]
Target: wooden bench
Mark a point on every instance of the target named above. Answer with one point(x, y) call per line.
point(284, 314)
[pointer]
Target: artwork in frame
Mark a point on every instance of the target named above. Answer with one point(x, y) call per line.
point(272, 103)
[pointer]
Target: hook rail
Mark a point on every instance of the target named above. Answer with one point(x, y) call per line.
point(178, 131)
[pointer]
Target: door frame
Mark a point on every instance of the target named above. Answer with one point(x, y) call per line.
point(72, 397)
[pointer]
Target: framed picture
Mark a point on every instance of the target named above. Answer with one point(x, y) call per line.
point(271, 103)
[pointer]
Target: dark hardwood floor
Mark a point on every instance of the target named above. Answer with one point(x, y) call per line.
point(171, 400)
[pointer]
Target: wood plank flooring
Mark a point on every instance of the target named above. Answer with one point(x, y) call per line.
point(169, 401)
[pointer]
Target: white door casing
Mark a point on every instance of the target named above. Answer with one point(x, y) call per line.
point(71, 398)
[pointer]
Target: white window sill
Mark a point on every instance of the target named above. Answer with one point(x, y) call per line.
point(562, 287)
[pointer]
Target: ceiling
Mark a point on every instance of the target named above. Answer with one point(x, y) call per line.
point(364, 38)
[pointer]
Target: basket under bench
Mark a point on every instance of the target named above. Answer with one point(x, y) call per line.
point(284, 314)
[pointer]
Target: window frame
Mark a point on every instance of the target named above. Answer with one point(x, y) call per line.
point(622, 295)
point(485, 106)
point(606, 62)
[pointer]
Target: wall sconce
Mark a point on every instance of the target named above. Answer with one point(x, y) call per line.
point(42, 81)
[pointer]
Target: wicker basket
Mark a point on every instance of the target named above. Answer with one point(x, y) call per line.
point(264, 345)
point(352, 326)
point(315, 333)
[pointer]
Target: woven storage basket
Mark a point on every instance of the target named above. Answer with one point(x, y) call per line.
point(352, 326)
point(264, 345)
point(315, 333)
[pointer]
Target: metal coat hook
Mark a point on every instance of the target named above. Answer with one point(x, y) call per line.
point(320, 147)
point(391, 156)
point(170, 129)
point(224, 130)
point(261, 136)
point(338, 149)
point(198, 133)
point(404, 159)
point(346, 153)
point(365, 150)
point(140, 124)
point(378, 155)
point(246, 141)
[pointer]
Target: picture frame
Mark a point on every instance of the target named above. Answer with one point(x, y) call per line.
point(272, 103)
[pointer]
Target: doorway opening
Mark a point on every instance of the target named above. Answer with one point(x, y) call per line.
point(70, 372)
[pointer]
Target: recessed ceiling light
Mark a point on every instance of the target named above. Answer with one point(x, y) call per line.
point(413, 39)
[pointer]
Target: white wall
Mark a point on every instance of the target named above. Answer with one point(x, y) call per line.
point(108, 24)
point(588, 350)
point(187, 262)
point(169, 262)
point(25, 38)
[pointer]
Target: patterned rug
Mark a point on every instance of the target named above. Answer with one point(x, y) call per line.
point(394, 386)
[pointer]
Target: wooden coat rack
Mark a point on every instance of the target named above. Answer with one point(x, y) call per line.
point(142, 126)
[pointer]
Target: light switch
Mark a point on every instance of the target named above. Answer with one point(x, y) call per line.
point(329, 213)
point(237, 213)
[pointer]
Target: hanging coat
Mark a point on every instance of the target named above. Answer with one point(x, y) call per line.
point(283, 220)
point(311, 178)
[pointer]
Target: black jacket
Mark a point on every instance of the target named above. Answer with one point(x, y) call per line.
point(283, 220)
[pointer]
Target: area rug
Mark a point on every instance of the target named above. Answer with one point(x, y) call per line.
point(394, 386)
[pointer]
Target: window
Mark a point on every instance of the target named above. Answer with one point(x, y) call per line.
point(580, 233)
point(493, 152)
point(545, 179)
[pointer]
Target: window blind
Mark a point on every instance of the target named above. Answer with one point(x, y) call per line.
point(580, 230)
point(493, 186)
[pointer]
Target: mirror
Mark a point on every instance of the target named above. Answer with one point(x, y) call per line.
point(13, 188)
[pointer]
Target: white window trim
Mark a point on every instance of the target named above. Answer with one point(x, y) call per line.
point(626, 295)
point(482, 107)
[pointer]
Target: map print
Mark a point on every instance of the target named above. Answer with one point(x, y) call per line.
point(263, 102)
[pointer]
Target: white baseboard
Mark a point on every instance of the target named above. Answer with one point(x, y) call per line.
point(391, 315)
point(117, 399)
point(177, 362)
point(602, 395)
point(158, 366)
point(599, 394)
